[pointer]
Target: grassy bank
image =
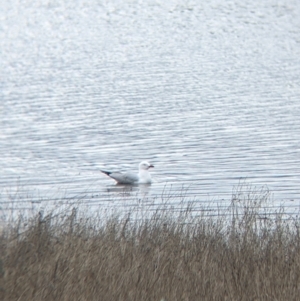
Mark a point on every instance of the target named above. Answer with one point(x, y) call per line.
point(246, 256)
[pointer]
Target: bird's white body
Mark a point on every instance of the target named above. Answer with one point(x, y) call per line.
point(142, 177)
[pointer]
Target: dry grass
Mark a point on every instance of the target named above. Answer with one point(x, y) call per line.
point(169, 257)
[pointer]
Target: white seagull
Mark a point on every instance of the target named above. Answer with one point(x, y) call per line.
point(143, 177)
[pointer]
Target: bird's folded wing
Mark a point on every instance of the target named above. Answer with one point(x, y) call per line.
point(124, 178)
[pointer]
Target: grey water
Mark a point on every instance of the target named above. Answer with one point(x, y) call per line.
point(207, 91)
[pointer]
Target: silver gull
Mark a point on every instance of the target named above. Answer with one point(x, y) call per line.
point(142, 177)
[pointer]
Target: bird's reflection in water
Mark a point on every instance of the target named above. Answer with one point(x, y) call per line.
point(140, 190)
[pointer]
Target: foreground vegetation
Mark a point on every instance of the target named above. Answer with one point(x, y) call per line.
point(246, 256)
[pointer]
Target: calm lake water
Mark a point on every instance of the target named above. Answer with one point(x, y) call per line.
point(207, 91)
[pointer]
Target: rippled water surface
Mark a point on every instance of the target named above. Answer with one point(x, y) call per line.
point(207, 91)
